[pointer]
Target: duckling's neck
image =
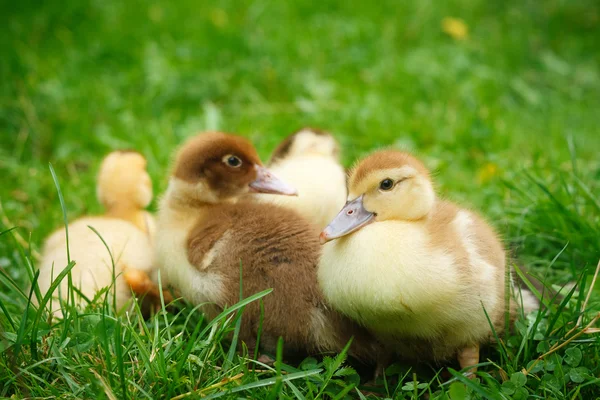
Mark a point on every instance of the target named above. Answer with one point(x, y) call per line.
point(183, 205)
point(421, 209)
point(131, 213)
point(180, 197)
point(181, 194)
point(422, 216)
point(177, 213)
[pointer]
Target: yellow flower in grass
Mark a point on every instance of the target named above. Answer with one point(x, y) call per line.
point(487, 172)
point(455, 27)
point(219, 18)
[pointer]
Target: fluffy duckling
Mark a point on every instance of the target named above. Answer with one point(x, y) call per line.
point(415, 270)
point(207, 228)
point(309, 161)
point(124, 188)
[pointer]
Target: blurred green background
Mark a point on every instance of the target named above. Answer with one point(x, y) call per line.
point(514, 87)
point(499, 98)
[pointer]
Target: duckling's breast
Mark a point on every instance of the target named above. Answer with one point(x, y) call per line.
point(264, 239)
point(389, 278)
point(171, 249)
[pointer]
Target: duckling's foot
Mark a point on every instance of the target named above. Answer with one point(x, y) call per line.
point(467, 357)
point(139, 281)
point(469, 374)
point(265, 359)
point(383, 361)
point(142, 285)
point(379, 371)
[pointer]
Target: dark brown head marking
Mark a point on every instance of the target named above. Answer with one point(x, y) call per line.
point(283, 149)
point(227, 163)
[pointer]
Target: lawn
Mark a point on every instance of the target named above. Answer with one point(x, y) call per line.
point(505, 113)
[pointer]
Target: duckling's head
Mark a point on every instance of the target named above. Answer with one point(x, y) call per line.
point(123, 181)
point(307, 141)
point(387, 185)
point(215, 166)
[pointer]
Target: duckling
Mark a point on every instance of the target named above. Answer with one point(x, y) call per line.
point(309, 160)
point(416, 270)
point(125, 189)
point(208, 228)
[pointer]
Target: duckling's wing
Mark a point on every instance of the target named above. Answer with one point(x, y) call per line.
point(207, 239)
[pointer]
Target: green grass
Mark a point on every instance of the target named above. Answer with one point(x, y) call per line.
point(507, 118)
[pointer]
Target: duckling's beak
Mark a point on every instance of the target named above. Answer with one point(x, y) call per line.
point(266, 182)
point(352, 217)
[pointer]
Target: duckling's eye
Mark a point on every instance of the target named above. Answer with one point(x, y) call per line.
point(386, 184)
point(232, 161)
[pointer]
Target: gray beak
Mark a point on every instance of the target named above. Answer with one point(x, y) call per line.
point(352, 217)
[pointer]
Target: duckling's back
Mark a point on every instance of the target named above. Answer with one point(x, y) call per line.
point(274, 248)
point(130, 248)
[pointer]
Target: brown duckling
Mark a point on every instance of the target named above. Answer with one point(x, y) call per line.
point(207, 228)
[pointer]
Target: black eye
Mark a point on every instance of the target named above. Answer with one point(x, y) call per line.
point(232, 161)
point(386, 184)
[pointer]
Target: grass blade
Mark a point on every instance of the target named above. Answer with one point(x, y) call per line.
point(233, 308)
point(474, 386)
point(66, 222)
point(238, 324)
point(295, 390)
point(8, 230)
point(265, 382)
point(63, 207)
point(7, 314)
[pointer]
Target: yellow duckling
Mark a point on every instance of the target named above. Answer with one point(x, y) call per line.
point(125, 189)
point(416, 270)
point(309, 161)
